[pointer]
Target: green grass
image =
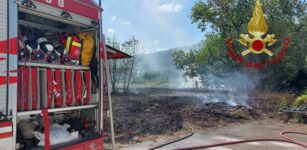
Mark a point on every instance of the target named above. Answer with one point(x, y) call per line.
point(301, 100)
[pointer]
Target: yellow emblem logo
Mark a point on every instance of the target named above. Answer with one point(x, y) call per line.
point(257, 27)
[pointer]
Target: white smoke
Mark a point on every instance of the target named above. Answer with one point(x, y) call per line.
point(231, 88)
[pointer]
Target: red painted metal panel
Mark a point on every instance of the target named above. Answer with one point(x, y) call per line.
point(12, 80)
point(5, 124)
point(34, 87)
point(79, 7)
point(19, 95)
point(74, 147)
point(118, 55)
point(58, 98)
point(2, 80)
point(50, 88)
point(12, 71)
point(9, 132)
point(13, 46)
point(93, 144)
point(47, 128)
point(87, 79)
point(25, 86)
point(78, 87)
point(6, 135)
point(3, 46)
point(112, 53)
point(68, 82)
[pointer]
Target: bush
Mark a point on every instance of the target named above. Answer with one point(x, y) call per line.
point(301, 100)
point(151, 75)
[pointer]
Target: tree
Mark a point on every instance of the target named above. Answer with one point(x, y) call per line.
point(229, 18)
point(207, 61)
point(132, 47)
point(187, 62)
point(123, 70)
point(114, 65)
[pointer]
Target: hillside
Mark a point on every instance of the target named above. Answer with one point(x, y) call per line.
point(158, 69)
point(161, 61)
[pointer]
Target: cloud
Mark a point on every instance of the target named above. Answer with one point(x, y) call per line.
point(157, 41)
point(120, 20)
point(169, 23)
point(114, 18)
point(111, 31)
point(127, 23)
point(178, 8)
point(172, 7)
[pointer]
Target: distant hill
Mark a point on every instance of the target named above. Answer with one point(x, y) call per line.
point(162, 62)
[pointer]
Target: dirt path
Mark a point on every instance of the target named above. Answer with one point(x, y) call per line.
point(256, 129)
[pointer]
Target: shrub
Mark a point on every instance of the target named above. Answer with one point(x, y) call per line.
point(301, 100)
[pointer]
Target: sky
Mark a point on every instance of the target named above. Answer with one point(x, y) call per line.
point(158, 24)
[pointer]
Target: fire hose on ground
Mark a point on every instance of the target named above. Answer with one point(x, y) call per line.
point(285, 139)
point(177, 140)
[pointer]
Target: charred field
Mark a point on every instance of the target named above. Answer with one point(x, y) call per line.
point(155, 112)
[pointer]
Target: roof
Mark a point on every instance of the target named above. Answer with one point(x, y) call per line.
point(114, 53)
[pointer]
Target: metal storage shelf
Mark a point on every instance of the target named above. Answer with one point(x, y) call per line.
point(36, 25)
point(55, 66)
point(55, 14)
point(34, 112)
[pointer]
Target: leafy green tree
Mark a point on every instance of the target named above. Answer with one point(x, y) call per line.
point(229, 18)
point(187, 62)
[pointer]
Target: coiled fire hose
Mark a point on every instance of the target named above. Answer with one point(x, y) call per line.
point(284, 139)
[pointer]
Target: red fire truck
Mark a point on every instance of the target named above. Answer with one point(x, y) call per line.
point(52, 91)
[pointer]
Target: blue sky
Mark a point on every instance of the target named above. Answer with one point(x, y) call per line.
point(158, 24)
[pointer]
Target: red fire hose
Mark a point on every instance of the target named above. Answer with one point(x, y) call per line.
point(282, 134)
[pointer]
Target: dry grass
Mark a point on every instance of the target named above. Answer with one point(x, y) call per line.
point(270, 102)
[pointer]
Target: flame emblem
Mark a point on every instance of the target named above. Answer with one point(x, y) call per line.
point(257, 27)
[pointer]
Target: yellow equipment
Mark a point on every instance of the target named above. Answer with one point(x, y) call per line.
point(88, 46)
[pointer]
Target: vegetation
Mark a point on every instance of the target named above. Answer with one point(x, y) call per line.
point(122, 71)
point(301, 100)
point(132, 46)
point(222, 19)
point(114, 65)
point(153, 76)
